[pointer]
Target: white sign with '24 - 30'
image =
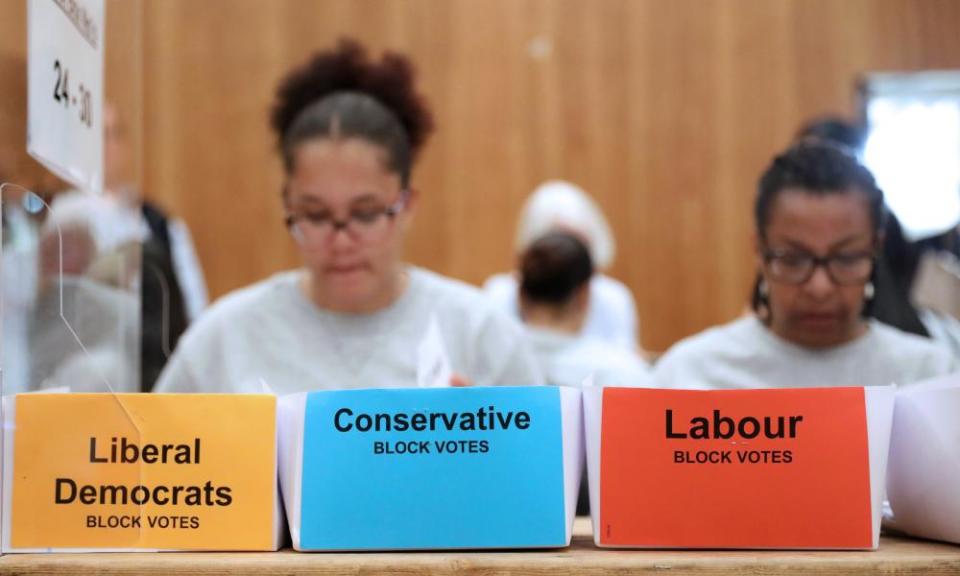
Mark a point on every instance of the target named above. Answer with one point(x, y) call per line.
point(65, 71)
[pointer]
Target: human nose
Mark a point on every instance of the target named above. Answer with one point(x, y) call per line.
point(820, 284)
point(340, 235)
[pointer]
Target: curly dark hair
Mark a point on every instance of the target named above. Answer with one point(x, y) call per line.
point(343, 93)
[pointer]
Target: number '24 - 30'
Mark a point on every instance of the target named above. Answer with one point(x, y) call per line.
point(61, 93)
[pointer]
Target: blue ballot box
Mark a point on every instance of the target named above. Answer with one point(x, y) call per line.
point(431, 468)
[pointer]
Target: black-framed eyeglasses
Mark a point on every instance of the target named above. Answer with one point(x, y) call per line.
point(794, 267)
point(360, 224)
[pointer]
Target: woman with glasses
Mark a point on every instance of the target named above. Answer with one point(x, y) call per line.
point(349, 130)
point(819, 221)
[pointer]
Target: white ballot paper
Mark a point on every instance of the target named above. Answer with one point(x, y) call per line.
point(433, 364)
point(923, 483)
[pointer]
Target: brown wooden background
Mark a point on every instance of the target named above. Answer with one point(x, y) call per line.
point(665, 110)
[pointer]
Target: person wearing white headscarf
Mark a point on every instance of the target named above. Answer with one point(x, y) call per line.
point(558, 205)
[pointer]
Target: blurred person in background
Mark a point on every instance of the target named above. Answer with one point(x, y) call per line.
point(555, 279)
point(83, 333)
point(139, 247)
point(558, 205)
point(555, 291)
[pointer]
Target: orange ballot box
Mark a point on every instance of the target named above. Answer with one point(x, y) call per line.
point(122, 472)
point(778, 468)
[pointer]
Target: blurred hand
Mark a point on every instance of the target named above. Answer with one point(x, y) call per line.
point(459, 381)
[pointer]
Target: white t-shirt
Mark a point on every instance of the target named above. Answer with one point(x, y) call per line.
point(270, 333)
point(944, 329)
point(91, 344)
point(568, 360)
point(747, 354)
point(612, 316)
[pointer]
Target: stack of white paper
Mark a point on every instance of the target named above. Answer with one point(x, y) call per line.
point(924, 479)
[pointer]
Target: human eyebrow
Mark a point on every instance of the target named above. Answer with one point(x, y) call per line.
point(845, 242)
point(315, 207)
point(799, 246)
point(794, 246)
point(366, 201)
point(307, 199)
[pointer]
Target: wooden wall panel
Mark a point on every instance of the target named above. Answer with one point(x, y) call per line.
point(666, 111)
point(16, 166)
point(123, 77)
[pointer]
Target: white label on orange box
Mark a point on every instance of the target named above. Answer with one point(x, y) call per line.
point(140, 471)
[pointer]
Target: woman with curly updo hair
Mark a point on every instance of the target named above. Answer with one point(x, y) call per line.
point(349, 130)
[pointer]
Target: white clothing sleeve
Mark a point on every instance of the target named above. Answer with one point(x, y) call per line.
point(186, 264)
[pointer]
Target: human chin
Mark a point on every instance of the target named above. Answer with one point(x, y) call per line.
point(348, 280)
point(819, 329)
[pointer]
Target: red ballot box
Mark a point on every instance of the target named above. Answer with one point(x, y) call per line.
point(787, 468)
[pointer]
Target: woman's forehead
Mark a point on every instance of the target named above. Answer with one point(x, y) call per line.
point(334, 172)
point(348, 157)
point(317, 199)
point(820, 219)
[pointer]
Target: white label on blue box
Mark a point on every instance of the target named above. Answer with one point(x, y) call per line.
point(433, 468)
